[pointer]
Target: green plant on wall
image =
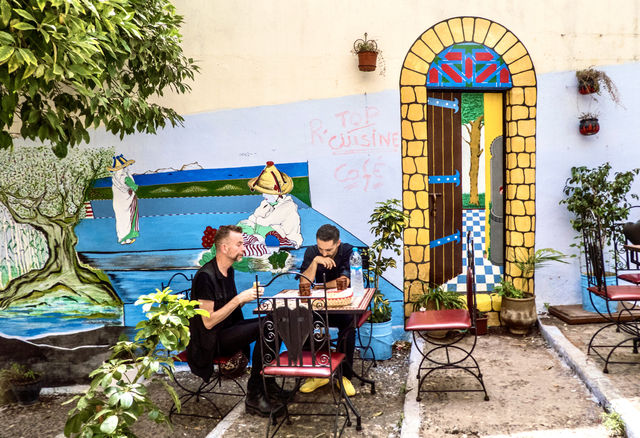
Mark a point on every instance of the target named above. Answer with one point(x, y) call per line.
point(117, 396)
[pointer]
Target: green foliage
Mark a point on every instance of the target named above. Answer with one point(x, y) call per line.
point(117, 396)
point(436, 297)
point(472, 106)
point(593, 197)
point(528, 262)
point(365, 45)
point(507, 289)
point(278, 259)
point(18, 373)
point(612, 421)
point(69, 65)
point(388, 222)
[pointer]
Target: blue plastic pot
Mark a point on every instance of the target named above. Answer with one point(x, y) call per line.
point(600, 303)
point(381, 340)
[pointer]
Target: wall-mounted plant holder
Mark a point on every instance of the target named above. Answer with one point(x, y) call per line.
point(591, 81)
point(589, 124)
point(367, 51)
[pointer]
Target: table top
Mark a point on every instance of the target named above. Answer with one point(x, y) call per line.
point(358, 305)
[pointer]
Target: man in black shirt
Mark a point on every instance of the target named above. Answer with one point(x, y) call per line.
point(225, 331)
point(330, 257)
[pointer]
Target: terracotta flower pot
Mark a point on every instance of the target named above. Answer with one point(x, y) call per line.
point(589, 126)
point(367, 60)
point(519, 314)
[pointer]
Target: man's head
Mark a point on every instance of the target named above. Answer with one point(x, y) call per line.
point(328, 240)
point(229, 242)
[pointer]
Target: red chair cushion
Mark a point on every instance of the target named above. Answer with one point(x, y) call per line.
point(364, 318)
point(618, 293)
point(307, 369)
point(631, 278)
point(448, 319)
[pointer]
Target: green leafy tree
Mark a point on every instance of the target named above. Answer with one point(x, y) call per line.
point(69, 65)
point(472, 119)
point(48, 193)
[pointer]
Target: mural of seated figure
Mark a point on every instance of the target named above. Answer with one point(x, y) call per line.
point(275, 222)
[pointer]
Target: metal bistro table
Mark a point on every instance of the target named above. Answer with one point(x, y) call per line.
point(358, 306)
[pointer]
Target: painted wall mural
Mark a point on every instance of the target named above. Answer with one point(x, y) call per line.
point(467, 54)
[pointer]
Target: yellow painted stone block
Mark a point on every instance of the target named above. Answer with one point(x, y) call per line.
point(523, 223)
point(533, 160)
point(414, 148)
point(530, 208)
point(533, 219)
point(517, 176)
point(407, 130)
point(467, 28)
point(523, 192)
point(442, 30)
point(421, 165)
point(523, 160)
point(405, 182)
point(424, 52)
point(512, 129)
point(532, 112)
point(524, 79)
point(455, 25)
point(416, 253)
point(416, 63)
point(410, 271)
point(408, 166)
point(511, 223)
point(404, 148)
point(416, 182)
point(507, 114)
point(416, 219)
point(423, 237)
point(517, 239)
point(415, 290)
point(483, 302)
point(516, 95)
point(409, 199)
point(506, 42)
point(494, 35)
point(431, 40)
point(512, 161)
point(409, 77)
point(521, 65)
point(416, 112)
point(511, 191)
point(517, 144)
point(494, 317)
point(421, 94)
point(420, 130)
point(423, 270)
point(529, 239)
point(519, 112)
point(526, 128)
point(407, 95)
point(404, 109)
point(422, 198)
point(480, 30)
point(410, 235)
point(517, 208)
point(530, 144)
point(530, 96)
point(514, 53)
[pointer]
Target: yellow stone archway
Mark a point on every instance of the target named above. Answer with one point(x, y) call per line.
point(519, 146)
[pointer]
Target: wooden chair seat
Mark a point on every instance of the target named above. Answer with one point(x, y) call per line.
point(449, 319)
point(631, 278)
point(307, 367)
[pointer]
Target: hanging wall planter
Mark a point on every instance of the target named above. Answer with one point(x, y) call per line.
point(367, 51)
point(592, 81)
point(589, 124)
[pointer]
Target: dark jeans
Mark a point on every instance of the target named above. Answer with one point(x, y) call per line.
point(347, 340)
point(240, 336)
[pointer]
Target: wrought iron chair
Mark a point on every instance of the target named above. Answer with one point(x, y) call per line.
point(206, 390)
point(628, 269)
point(448, 353)
point(300, 323)
point(364, 345)
point(626, 296)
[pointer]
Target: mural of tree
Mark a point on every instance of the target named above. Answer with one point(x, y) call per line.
point(472, 119)
point(48, 193)
point(67, 66)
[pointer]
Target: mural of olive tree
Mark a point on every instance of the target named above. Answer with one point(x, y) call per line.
point(472, 120)
point(47, 193)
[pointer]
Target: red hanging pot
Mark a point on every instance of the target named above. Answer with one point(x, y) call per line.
point(367, 60)
point(589, 126)
point(588, 86)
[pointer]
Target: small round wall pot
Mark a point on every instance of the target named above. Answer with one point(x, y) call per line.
point(587, 87)
point(589, 126)
point(519, 314)
point(367, 61)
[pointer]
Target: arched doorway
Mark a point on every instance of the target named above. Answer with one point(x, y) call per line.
point(419, 88)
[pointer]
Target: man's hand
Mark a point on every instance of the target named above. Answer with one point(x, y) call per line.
point(249, 295)
point(327, 262)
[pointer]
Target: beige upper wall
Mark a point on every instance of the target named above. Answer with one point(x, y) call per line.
point(258, 52)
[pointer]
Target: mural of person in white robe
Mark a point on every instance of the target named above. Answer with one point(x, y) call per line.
point(125, 201)
point(277, 212)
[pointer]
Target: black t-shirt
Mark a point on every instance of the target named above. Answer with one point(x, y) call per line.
point(210, 284)
point(341, 258)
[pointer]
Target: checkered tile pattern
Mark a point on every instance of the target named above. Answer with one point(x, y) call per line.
point(487, 275)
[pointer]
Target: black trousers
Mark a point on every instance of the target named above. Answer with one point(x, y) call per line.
point(346, 340)
point(240, 336)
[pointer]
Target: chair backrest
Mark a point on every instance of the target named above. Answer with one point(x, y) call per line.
point(178, 277)
point(471, 279)
point(594, 256)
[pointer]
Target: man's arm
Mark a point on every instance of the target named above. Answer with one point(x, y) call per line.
point(216, 317)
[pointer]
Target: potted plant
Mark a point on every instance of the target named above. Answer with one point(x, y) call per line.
point(589, 124)
point(592, 195)
point(24, 383)
point(518, 308)
point(591, 81)
point(367, 51)
point(388, 222)
point(436, 298)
